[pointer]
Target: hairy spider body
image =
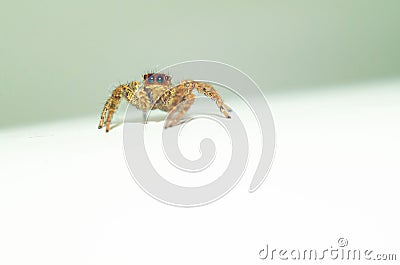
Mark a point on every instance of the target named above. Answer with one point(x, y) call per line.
point(157, 92)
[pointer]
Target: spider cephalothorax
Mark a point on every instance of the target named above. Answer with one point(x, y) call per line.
point(157, 92)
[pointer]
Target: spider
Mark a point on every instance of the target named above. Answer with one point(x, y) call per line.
point(157, 92)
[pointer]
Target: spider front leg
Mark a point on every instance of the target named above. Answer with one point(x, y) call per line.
point(113, 101)
point(209, 91)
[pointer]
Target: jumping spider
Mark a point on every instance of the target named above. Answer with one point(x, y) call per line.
point(157, 92)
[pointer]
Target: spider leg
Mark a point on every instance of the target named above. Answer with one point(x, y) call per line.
point(179, 110)
point(104, 113)
point(110, 108)
point(112, 103)
point(209, 91)
point(229, 109)
point(145, 117)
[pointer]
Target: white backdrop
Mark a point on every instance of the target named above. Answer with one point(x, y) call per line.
point(66, 195)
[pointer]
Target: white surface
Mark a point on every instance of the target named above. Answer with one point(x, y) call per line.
point(66, 195)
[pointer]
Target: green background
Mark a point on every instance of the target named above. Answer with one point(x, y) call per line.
point(60, 59)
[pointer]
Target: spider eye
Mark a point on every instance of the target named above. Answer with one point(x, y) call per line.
point(151, 79)
point(160, 79)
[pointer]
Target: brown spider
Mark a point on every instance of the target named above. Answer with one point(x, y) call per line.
point(157, 92)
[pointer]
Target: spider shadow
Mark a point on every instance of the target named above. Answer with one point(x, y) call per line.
point(120, 122)
point(161, 118)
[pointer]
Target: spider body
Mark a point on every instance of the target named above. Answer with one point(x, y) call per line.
point(157, 92)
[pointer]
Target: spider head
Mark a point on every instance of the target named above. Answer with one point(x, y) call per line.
point(156, 79)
